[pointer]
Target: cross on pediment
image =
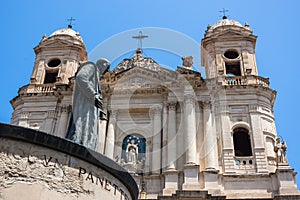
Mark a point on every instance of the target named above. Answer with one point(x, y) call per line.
point(140, 37)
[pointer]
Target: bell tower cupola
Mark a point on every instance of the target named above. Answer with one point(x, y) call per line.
point(58, 57)
point(45, 103)
point(228, 49)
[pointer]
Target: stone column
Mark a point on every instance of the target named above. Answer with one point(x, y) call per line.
point(190, 128)
point(171, 175)
point(210, 138)
point(148, 156)
point(171, 144)
point(110, 137)
point(156, 150)
point(63, 121)
point(165, 137)
point(191, 168)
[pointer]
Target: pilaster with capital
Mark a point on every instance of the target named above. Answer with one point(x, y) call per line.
point(48, 125)
point(63, 121)
point(110, 137)
point(23, 119)
point(258, 138)
point(228, 147)
point(156, 145)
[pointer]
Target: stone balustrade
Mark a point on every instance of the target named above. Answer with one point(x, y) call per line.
point(246, 80)
point(36, 88)
point(245, 164)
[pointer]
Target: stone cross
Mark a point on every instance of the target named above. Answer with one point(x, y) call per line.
point(70, 19)
point(224, 13)
point(140, 37)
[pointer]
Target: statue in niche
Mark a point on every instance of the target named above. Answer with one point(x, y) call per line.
point(132, 152)
point(87, 104)
point(280, 150)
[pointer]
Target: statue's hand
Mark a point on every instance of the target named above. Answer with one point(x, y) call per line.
point(98, 101)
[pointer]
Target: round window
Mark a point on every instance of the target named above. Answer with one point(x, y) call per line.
point(231, 54)
point(54, 62)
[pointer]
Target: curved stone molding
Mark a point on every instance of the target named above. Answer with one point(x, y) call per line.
point(48, 165)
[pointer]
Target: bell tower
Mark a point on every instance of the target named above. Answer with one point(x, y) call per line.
point(45, 103)
point(242, 103)
point(58, 57)
point(228, 49)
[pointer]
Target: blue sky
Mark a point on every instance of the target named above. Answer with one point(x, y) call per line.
point(275, 22)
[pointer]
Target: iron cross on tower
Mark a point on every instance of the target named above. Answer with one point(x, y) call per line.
point(70, 24)
point(224, 13)
point(140, 37)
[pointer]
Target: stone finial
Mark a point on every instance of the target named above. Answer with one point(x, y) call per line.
point(44, 37)
point(208, 27)
point(187, 61)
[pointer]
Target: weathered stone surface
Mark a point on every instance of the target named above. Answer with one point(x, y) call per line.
point(38, 171)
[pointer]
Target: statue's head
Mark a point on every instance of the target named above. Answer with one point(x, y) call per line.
point(103, 65)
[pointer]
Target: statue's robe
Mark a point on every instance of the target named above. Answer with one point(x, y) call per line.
point(85, 113)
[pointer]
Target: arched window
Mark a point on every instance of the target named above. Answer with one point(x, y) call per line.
point(50, 76)
point(242, 143)
point(232, 63)
point(136, 143)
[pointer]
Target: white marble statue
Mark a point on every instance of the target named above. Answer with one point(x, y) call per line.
point(87, 103)
point(132, 152)
point(280, 149)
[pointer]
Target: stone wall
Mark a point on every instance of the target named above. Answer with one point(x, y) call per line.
point(36, 165)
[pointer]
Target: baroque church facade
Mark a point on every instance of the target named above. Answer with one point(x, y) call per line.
point(180, 135)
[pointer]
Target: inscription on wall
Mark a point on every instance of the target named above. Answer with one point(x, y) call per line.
point(55, 171)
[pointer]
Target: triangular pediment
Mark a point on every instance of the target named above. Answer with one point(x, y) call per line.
point(139, 77)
